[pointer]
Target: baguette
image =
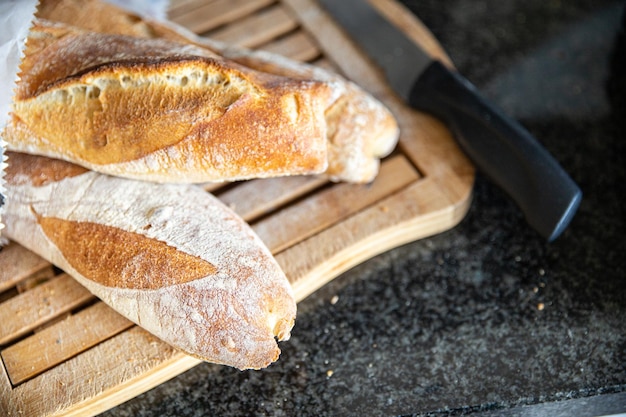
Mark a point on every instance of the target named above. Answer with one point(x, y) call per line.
point(161, 111)
point(170, 258)
point(360, 129)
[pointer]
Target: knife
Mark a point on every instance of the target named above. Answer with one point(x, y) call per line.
point(498, 145)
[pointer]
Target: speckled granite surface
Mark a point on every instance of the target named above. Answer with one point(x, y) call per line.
point(487, 317)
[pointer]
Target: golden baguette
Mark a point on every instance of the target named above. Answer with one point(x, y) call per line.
point(360, 129)
point(171, 258)
point(156, 110)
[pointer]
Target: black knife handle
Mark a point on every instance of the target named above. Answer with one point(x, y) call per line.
point(501, 148)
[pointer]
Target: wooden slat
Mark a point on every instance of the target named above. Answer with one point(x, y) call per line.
point(342, 51)
point(256, 29)
point(62, 341)
point(28, 310)
point(38, 278)
point(325, 208)
point(417, 211)
point(109, 373)
point(217, 13)
point(324, 63)
point(213, 187)
point(252, 199)
point(297, 46)
point(180, 7)
point(456, 176)
point(17, 264)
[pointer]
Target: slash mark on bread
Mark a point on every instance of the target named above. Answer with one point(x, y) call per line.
point(116, 258)
point(162, 100)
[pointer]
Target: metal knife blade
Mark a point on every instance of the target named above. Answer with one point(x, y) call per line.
point(499, 146)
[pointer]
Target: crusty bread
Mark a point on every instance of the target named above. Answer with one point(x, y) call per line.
point(169, 257)
point(161, 111)
point(360, 129)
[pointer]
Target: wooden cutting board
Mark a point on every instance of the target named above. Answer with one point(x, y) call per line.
point(65, 352)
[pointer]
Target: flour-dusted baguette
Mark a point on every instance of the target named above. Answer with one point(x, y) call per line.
point(171, 258)
point(360, 129)
point(157, 110)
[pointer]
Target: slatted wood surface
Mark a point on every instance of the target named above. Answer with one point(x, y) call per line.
point(65, 352)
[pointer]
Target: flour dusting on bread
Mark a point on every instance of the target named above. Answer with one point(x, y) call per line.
point(171, 258)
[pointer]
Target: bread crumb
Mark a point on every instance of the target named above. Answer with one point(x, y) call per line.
point(329, 373)
point(334, 299)
point(541, 306)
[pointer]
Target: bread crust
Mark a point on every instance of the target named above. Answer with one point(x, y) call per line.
point(360, 129)
point(157, 110)
point(170, 258)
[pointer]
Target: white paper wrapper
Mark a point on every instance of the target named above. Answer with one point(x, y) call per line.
point(16, 17)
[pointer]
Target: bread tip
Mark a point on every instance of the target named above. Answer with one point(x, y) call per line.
point(282, 329)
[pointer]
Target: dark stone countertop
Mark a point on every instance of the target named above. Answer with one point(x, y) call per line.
point(487, 318)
